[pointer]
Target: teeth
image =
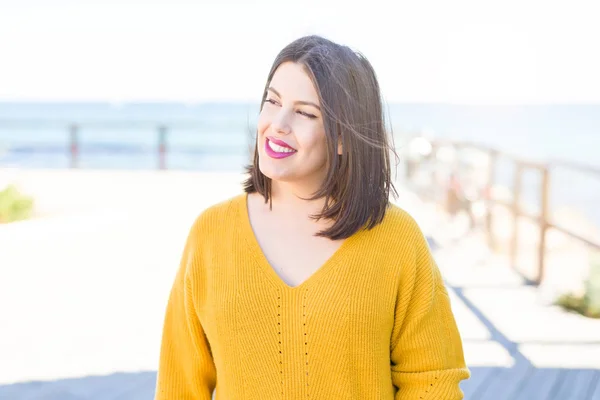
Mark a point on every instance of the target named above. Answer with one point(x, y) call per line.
point(279, 149)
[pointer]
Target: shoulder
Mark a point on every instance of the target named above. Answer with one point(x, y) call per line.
point(401, 243)
point(217, 212)
point(209, 227)
point(412, 251)
point(399, 227)
point(216, 217)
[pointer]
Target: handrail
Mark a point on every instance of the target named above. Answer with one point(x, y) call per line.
point(522, 165)
point(74, 130)
point(589, 169)
point(542, 219)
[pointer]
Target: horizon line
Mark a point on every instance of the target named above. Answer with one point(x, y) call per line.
point(255, 102)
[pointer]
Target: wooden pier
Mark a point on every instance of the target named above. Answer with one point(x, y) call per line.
point(73, 331)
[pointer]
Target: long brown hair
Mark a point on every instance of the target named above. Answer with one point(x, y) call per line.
point(358, 182)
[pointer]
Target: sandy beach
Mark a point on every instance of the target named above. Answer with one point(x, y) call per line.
point(104, 246)
point(84, 283)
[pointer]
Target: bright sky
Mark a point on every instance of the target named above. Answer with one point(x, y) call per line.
point(470, 52)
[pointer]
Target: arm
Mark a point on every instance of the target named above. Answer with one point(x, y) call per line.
point(186, 370)
point(427, 358)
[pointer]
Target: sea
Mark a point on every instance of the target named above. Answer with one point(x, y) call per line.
point(219, 136)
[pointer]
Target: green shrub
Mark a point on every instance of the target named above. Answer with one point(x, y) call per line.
point(592, 293)
point(589, 303)
point(14, 206)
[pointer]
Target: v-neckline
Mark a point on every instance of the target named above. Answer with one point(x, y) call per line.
point(263, 263)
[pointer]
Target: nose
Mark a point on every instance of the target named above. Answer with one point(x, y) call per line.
point(280, 123)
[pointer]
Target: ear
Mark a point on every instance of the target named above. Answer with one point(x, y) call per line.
point(339, 148)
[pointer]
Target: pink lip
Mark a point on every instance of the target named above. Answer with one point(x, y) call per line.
point(274, 154)
point(280, 142)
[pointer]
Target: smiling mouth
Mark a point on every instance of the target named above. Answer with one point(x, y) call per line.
point(276, 150)
point(279, 148)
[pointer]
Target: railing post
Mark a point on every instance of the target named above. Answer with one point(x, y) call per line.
point(543, 223)
point(516, 212)
point(162, 147)
point(493, 154)
point(74, 145)
point(435, 179)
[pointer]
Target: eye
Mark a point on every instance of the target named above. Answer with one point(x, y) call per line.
point(274, 102)
point(311, 116)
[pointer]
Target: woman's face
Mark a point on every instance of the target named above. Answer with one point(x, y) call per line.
point(291, 137)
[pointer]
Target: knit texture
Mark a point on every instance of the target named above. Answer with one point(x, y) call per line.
point(374, 322)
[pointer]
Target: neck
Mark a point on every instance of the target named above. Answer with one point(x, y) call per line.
point(289, 198)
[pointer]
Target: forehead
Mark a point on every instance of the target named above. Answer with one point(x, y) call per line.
point(293, 83)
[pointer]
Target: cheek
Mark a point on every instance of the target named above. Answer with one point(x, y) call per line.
point(265, 118)
point(316, 142)
point(262, 123)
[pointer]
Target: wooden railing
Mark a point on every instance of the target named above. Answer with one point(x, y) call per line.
point(514, 205)
point(74, 145)
point(541, 218)
point(75, 132)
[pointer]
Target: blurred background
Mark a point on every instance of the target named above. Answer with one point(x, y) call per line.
point(120, 121)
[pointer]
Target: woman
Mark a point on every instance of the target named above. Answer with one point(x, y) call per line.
point(311, 284)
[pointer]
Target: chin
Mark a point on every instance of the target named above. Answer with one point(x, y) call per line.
point(274, 173)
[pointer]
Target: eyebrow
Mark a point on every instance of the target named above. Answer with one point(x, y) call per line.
point(301, 102)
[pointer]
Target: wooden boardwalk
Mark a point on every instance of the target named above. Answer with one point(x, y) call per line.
point(517, 346)
point(494, 383)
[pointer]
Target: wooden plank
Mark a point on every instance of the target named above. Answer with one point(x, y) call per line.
point(577, 384)
point(595, 391)
point(89, 386)
point(119, 384)
point(20, 390)
point(30, 391)
point(479, 377)
point(144, 390)
point(540, 384)
point(505, 384)
point(125, 386)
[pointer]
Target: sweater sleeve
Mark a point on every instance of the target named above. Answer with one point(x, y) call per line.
point(427, 359)
point(186, 369)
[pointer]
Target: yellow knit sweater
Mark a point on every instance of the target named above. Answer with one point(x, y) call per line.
point(374, 322)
